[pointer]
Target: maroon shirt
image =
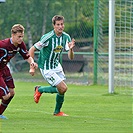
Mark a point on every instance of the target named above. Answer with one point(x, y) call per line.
point(8, 51)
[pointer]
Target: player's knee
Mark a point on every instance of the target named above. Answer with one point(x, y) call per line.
point(6, 97)
point(63, 90)
point(12, 92)
point(9, 95)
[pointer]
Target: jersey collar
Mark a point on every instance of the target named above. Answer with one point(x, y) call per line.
point(11, 41)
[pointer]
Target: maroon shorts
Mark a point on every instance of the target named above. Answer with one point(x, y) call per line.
point(6, 81)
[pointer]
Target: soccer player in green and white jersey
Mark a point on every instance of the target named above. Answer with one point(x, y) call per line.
point(50, 46)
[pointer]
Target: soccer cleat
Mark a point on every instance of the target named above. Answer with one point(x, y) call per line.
point(37, 94)
point(61, 114)
point(3, 117)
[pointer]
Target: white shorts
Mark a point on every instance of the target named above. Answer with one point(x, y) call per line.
point(53, 76)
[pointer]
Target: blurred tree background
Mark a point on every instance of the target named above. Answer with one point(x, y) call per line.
point(36, 17)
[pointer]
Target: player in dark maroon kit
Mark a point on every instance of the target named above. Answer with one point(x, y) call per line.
point(8, 49)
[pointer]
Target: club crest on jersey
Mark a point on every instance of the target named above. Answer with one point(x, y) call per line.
point(58, 49)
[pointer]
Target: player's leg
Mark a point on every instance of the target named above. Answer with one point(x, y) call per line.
point(51, 89)
point(43, 89)
point(5, 100)
point(47, 89)
point(62, 88)
point(50, 77)
point(6, 85)
point(59, 77)
point(4, 95)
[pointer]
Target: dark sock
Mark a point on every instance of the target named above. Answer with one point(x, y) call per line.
point(59, 102)
point(48, 89)
point(4, 104)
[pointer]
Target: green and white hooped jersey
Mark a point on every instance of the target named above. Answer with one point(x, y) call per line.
point(50, 47)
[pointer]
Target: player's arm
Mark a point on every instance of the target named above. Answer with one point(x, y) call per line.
point(30, 60)
point(24, 53)
point(32, 51)
point(71, 46)
point(33, 65)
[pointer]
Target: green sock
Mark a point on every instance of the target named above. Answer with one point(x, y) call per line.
point(59, 102)
point(48, 89)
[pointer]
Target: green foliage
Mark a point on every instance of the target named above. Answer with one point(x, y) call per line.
point(36, 17)
point(80, 29)
point(89, 109)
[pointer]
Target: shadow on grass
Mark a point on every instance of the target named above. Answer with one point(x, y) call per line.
point(111, 94)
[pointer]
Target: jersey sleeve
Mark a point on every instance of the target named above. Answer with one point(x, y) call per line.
point(67, 41)
point(42, 43)
point(39, 45)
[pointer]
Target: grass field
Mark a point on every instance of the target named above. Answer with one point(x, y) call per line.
point(91, 110)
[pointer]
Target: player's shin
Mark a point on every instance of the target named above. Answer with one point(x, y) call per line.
point(59, 102)
point(4, 104)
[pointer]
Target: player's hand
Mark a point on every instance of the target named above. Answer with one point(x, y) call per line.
point(32, 71)
point(33, 66)
point(71, 44)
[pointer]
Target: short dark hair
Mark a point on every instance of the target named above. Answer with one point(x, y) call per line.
point(57, 18)
point(17, 28)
